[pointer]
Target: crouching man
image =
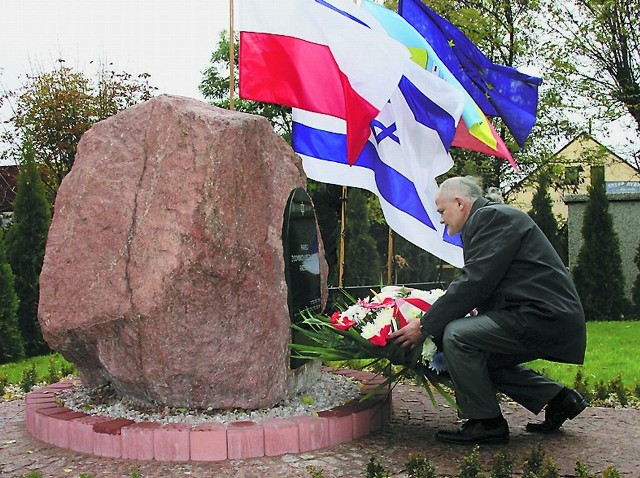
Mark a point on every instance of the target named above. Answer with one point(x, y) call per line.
point(528, 308)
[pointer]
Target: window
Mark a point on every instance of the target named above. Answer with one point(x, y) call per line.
point(572, 175)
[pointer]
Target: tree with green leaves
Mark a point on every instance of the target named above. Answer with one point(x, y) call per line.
point(542, 213)
point(11, 344)
point(361, 258)
point(594, 46)
point(598, 271)
point(26, 239)
point(53, 109)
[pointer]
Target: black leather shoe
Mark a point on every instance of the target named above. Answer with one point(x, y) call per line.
point(565, 406)
point(475, 432)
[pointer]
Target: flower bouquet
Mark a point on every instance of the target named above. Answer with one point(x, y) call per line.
point(360, 330)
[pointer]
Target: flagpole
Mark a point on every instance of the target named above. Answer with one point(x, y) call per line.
point(342, 230)
point(390, 256)
point(343, 206)
point(231, 58)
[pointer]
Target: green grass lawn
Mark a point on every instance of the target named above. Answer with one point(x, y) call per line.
point(611, 352)
point(14, 371)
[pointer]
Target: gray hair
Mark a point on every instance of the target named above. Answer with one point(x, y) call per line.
point(465, 186)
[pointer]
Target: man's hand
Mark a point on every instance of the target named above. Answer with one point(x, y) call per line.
point(408, 336)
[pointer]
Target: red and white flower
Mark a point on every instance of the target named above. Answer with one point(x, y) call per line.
point(387, 311)
point(361, 332)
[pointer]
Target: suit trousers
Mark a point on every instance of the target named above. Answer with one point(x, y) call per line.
point(482, 359)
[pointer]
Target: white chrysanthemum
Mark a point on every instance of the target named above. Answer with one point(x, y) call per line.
point(356, 312)
point(429, 349)
point(383, 317)
point(370, 330)
point(390, 291)
point(427, 295)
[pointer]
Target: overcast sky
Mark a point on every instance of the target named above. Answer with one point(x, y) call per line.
point(170, 40)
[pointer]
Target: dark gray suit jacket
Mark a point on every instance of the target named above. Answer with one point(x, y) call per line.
point(513, 274)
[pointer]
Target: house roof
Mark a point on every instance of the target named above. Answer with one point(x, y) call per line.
point(586, 136)
point(580, 136)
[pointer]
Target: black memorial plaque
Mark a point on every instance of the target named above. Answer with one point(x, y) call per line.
point(302, 263)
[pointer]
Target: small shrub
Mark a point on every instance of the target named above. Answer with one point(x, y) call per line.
point(610, 472)
point(67, 369)
point(58, 368)
point(617, 387)
point(85, 475)
point(135, 473)
point(419, 467)
point(469, 466)
point(601, 391)
point(29, 378)
point(533, 464)
point(32, 474)
point(582, 471)
point(581, 385)
point(615, 390)
point(53, 375)
point(501, 465)
point(549, 469)
point(314, 472)
point(538, 465)
point(376, 470)
point(4, 381)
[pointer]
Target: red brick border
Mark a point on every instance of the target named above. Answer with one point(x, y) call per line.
point(52, 423)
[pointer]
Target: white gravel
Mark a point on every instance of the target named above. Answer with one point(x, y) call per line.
point(329, 391)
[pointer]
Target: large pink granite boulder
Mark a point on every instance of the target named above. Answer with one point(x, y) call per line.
point(164, 269)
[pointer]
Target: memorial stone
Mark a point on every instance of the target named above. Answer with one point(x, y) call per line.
point(164, 271)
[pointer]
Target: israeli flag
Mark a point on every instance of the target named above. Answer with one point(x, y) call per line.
point(406, 151)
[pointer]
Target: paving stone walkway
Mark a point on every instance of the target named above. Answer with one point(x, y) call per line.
point(598, 437)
